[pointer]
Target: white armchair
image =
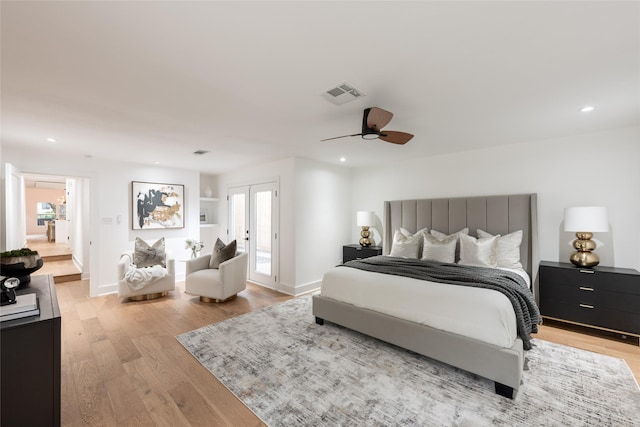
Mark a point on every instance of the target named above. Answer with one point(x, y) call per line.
point(216, 284)
point(156, 289)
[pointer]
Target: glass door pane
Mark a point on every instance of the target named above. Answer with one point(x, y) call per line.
point(238, 217)
point(263, 232)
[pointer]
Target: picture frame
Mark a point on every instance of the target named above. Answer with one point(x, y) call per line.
point(203, 216)
point(156, 205)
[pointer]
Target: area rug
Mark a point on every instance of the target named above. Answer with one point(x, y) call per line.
point(290, 371)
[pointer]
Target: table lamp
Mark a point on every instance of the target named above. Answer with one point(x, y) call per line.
point(584, 221)
point(365, 219)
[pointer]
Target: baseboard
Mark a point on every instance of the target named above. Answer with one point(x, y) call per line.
point(300, 289)
point(77, 263)
point(106, 290)
point(288, 289)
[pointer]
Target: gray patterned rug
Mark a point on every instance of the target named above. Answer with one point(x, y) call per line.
point(290, 371)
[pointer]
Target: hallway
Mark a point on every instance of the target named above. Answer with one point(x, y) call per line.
point(56, 257)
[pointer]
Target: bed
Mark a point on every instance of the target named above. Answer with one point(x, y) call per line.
point(495, 350)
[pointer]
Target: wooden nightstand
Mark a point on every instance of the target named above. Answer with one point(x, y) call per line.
point(606, 298)
point(350, 252)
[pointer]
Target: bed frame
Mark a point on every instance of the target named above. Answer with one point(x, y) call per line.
point(495, 214)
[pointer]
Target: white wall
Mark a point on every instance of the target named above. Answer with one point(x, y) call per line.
point(115, 238)
point(322, 204)
point(598, 169)
point(110, 199)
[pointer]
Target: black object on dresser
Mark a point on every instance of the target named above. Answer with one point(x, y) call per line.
point(602, 297)
point(30, 361)
point(351, 252)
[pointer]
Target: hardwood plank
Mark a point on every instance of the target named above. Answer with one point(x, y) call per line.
point(107, 360)
point(93, 402)
point(69, 410)
point(194, 406)
point(159, 404)
point(123, 345)
point(125, 401)
point(94, 330)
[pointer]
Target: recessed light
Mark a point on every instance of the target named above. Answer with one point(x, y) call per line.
point(343, 159)
point(586, 108)
point(156, 162)
point(51, 139)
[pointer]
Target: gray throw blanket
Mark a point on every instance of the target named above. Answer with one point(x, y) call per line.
point(508, 283)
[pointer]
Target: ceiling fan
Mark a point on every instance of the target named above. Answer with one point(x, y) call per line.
point(373, 120)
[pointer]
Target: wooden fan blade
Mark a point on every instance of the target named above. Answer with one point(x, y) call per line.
point(395, 137)
point(337, 137)
point(378, 118)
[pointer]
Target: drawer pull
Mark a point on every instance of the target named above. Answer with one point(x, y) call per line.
point(586, 306)
point(584, 288)
point(587, 271)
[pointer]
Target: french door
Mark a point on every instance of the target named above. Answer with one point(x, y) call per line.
point(253, 223)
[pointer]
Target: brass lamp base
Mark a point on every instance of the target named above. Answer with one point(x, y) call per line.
point(365, 233)
point(584, 257)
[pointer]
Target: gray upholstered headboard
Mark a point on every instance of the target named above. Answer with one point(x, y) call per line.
point(494, 214)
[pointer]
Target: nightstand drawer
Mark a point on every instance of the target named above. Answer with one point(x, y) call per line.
point(590, 294)
point(351, 252)
point(588, 315)
point(625, 283)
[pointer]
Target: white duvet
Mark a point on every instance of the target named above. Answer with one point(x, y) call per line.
point(482, 314)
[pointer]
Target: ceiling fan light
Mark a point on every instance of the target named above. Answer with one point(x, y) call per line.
point(372, 135)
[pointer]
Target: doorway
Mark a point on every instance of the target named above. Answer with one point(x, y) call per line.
point(48, 214)
point(253, 223)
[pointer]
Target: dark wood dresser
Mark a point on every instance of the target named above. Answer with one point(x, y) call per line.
point(30, 361)
point(351, 252)
point(606, 298)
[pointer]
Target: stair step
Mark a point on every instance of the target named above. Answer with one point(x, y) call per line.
point(62, 271)
point(49, 258)
point(67, 278)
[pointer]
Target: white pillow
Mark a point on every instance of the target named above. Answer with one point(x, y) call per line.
point(479, 252)
point(443, 250)
point(406, 246)
point(409, 234)
point(508, 248)
point(442, 236)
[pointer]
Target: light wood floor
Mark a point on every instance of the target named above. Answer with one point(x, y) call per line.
point(121, 364)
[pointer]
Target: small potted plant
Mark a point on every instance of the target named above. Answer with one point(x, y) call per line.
point(20, 263)
point(195, 247)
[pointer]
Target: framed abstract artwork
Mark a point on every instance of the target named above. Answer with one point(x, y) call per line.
point(156, 205)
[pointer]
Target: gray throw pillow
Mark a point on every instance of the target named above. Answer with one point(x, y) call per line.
point(146, 256)
point(222, 253)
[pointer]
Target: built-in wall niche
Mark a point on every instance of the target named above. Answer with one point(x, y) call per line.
point(208, 211)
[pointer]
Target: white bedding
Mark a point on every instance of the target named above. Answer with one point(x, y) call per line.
point(482, 314)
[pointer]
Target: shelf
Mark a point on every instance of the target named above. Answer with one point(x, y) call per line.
point(207, 225)
point(209, 199)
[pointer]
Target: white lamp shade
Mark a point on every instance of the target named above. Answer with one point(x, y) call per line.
point(365, 219)
point(589, 219)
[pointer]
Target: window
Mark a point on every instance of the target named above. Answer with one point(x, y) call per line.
point(45, 212)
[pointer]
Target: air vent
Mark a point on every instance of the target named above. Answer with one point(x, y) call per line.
point(342, 93)
point(200, 152)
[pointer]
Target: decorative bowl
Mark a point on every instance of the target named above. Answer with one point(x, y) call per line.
point(20, 267)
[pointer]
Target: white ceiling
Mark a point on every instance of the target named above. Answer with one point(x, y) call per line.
point(155, 81)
